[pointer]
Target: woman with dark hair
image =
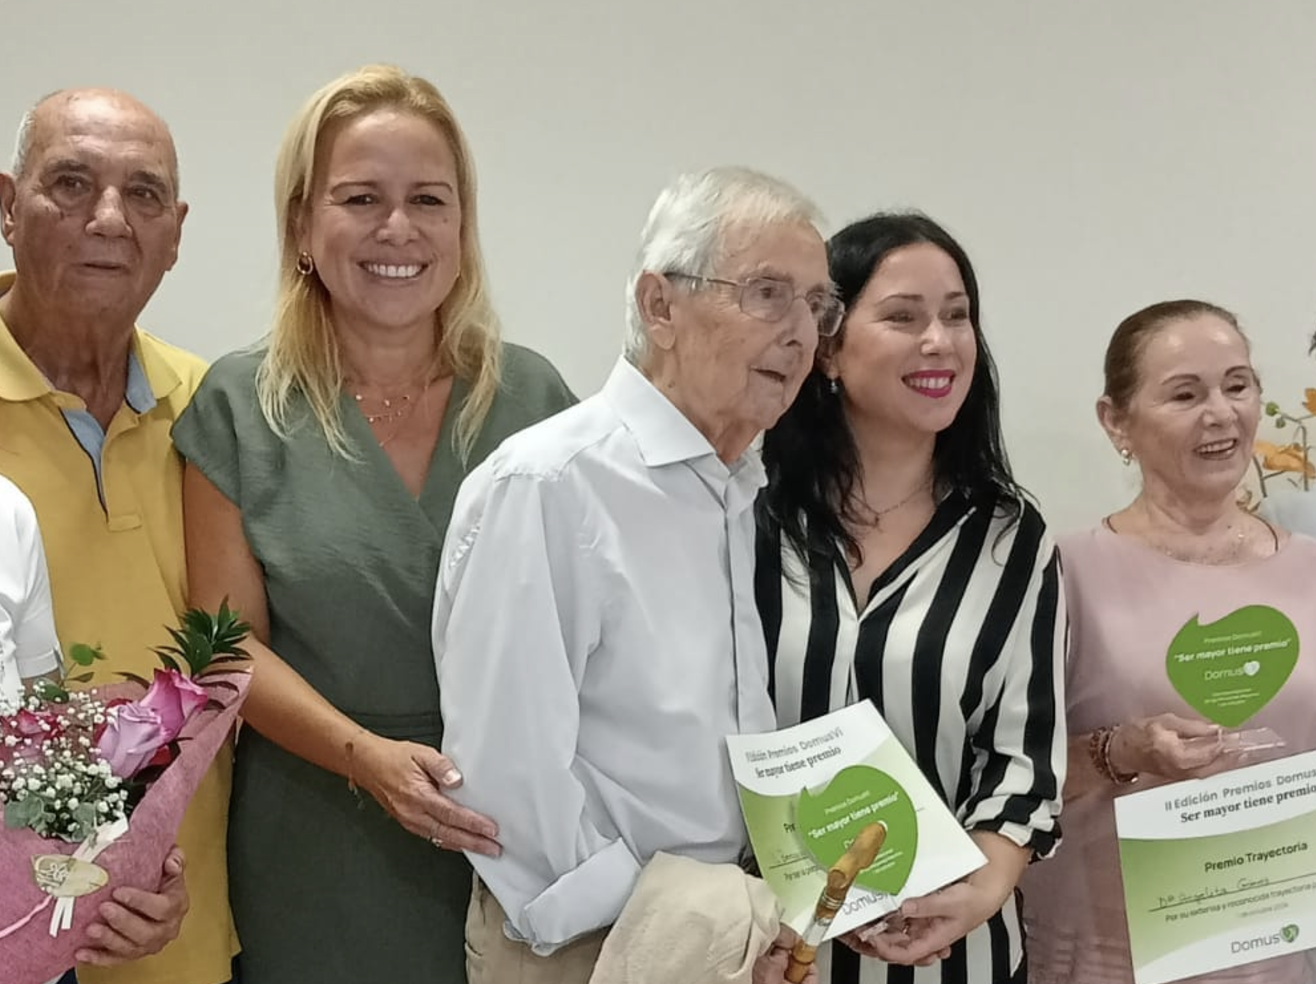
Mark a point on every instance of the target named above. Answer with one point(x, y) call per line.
point(899, 562)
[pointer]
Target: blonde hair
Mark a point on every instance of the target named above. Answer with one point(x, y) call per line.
point(302, 357)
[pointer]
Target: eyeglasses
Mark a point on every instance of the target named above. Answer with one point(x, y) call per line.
point(769, 299)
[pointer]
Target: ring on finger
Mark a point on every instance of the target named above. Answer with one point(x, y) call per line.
point(435, 839)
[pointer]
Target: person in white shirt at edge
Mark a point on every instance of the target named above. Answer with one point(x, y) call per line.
point(29, 648)
point(595, 629)
point(1293, 509)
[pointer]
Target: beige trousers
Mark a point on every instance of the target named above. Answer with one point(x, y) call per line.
point(491, 958)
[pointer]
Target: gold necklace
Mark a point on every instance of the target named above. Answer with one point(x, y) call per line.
point(396, 410)
point(876, 514)
point(870, 516)
point(391, 407)
point(404, 405)
point(906, 500)
point(1210, 553)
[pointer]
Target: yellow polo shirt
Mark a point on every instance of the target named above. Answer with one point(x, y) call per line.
point(118, 577)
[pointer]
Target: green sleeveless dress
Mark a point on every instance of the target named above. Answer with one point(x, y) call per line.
point(326, 888)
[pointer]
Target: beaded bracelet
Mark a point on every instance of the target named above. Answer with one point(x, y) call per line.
point(350, 749)
point(1099, 752)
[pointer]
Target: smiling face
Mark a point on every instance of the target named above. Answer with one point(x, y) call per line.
point(1193, 418)
point(94, 220)
point(384, 222)
point(907, 349)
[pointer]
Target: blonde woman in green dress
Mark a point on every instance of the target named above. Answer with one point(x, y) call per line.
point(321, 471)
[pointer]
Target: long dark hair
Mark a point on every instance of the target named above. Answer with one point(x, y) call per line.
point(811, 457)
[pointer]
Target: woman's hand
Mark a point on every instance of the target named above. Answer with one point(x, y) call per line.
point(925, 927)
point(922, 930)
point(407, 779)
point(1169, 746)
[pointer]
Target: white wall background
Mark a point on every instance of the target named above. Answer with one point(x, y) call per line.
point(1093, 157)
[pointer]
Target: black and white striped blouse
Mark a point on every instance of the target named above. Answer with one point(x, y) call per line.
point(961, 646)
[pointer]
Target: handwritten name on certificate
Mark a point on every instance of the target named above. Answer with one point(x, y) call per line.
point(1221, 871)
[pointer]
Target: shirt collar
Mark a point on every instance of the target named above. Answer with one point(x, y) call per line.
point(666, 436)
point(20, 379)
point(150, 378)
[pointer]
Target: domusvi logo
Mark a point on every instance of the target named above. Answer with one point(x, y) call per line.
point(1286, 934)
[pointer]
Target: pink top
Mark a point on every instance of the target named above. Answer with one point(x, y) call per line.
point(1126, 603)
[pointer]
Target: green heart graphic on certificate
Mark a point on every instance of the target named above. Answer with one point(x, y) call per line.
point(829, 820)
point(1230, 669)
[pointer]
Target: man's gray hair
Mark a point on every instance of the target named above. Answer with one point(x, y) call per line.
point(23, 139)
point(687, 224)
point(23, 142)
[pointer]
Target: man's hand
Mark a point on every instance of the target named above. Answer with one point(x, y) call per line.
point(771, 967)
point(137, 923)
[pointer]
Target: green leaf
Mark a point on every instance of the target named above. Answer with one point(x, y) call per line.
point(51, 691)
point(85, 815)
point(81, 678)
point(201, 637)
point(85, 655)
point(24, 812)
point(134, 678)
point(169, 662)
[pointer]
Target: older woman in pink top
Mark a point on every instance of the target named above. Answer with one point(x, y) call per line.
point(1182, 401)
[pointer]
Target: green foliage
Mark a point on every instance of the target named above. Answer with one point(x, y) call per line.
point(23, 812)
point(205, 641)
point(49, 690)
point(85, 655)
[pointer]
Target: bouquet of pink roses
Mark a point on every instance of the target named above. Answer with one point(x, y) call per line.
point(94, 784)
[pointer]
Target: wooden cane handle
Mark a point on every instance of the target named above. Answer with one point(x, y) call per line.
point(862, 853)
point(801, 959)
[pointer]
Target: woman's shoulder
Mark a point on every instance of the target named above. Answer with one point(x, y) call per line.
point(1291, 509)
point(225, 407)
point(524, 368)
point(531, 384)
point(1013, 516)
point(231, 376)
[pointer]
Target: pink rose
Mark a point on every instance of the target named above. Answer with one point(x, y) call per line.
point(132, 735)
point(175, 698)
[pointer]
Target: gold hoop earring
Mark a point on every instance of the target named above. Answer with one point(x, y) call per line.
point(305, 264)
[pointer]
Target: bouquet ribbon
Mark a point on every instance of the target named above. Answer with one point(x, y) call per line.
point(64, 878)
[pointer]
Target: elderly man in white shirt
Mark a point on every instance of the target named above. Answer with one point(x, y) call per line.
point(594, 626)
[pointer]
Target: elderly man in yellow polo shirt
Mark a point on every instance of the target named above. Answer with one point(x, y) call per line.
point(92, 213)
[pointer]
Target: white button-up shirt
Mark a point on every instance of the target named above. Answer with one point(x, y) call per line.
point(596, 638)
point(28, 647)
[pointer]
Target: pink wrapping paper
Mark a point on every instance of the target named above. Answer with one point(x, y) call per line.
point(28, 953)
